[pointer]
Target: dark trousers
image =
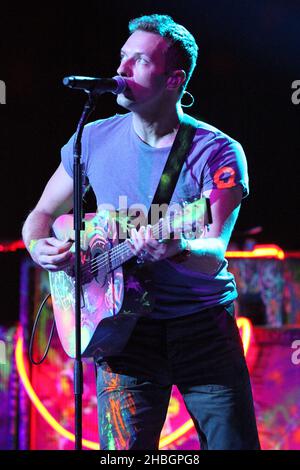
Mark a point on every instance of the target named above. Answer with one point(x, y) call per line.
point(202, 355)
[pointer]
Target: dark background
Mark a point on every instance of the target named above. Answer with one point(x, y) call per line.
point(249, 57)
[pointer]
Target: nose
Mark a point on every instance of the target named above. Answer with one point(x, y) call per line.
point(125, 68)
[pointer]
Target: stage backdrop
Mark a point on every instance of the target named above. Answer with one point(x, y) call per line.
point(268, 293)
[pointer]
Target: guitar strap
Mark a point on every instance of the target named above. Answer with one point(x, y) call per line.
point(178, 153)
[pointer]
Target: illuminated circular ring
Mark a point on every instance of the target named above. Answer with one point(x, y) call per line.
point(246, 333)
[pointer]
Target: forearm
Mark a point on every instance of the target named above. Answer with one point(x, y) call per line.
point(206, 254)
point(36, 226)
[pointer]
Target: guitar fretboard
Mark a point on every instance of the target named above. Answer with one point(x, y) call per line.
point(163, 229)
point(118, 255)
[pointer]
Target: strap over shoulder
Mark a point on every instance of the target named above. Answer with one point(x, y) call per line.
point(178, 153)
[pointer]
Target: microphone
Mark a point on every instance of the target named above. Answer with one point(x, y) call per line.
point(114, 85)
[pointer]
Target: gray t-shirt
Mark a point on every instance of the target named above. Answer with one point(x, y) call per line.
point(118, 163)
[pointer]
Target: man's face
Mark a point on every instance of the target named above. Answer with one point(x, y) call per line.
point(143, 64)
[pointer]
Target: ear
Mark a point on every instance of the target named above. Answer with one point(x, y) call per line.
point(176, 79)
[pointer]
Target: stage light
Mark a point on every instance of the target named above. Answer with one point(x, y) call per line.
point(245, 326)
point(259, 251)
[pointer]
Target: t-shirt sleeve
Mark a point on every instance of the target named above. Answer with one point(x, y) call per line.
point(227, 168)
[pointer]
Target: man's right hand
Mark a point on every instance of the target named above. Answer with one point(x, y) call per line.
point(52, 254)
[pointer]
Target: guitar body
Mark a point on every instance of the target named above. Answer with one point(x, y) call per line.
point(101, 296)
point(113, 296)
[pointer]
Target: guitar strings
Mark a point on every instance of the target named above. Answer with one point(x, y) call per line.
point(106, 260)
point(120, 247)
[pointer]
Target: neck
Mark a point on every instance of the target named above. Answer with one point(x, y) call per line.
point(158, 129)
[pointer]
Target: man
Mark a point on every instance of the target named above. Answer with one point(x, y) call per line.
point(189, 338)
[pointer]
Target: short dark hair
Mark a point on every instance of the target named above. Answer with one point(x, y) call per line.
point(183, 50)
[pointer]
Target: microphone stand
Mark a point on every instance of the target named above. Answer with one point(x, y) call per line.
point(78, 227)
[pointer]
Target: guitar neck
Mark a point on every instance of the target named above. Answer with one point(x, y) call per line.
point(121, 253)
point(163, 229)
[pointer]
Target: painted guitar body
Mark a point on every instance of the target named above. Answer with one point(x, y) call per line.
point(101, 296)
point(105, 311)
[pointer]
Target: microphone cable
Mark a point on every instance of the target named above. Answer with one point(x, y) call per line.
point(30, 351)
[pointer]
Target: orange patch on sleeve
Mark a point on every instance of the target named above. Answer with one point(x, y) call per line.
point(224, 177)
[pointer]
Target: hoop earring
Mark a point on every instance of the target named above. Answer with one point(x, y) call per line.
point(192, 100)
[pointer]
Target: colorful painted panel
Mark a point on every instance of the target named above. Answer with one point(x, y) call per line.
point(275, 377)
